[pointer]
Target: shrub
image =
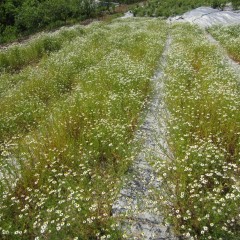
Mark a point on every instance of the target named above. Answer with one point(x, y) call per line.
point(9, 34)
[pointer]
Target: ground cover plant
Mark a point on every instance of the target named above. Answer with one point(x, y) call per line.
point(67, 127)
point(26, 96)
point(229, 37)
point(200, 182)
point(23, 17)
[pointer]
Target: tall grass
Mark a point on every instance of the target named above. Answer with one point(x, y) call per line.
point(37, 88)
point(16, 57)
point(230, 39)
point(60, 178)
point(201, 193)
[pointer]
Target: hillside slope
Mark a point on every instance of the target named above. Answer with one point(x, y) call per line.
point(67, 127)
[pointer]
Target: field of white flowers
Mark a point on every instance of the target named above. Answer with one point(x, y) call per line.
point(201, 182)
point(70, 105)
point(229, 37)
point(68, 117)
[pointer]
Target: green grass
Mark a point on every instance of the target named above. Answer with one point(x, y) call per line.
point(67, 128)
point(35, 89)
point(70, 105)
point(201, 182)
point(17, 57)
point(229, 38)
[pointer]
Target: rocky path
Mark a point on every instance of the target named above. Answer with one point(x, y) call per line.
point(135, 206)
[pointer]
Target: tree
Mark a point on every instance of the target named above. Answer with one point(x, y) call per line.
point(236, 4)
point(29, 16)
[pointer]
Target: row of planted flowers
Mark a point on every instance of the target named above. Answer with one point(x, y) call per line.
point(67, 126)
point(201, 180)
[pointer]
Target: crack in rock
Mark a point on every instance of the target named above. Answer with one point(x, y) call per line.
point(135, 205)
point(203, 15)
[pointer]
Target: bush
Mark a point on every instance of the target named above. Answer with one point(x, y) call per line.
point(218, 4)
point(236, 4)
point(9, 34)
point(28, 16)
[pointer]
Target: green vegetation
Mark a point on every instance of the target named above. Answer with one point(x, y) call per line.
point(230, 39)
point(66, 130)
point(19, 18)
point(166, 8)
point(18, 56)
point(71, 101)
point(201, 181)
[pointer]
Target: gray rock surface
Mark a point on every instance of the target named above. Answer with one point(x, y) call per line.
point(136, 206)
point(128, 14)
point(207, 17)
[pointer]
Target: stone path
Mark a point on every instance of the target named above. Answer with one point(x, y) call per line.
point(135, 206)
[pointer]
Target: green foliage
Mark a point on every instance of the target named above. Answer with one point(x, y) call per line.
point(218, 4)
point(9, 34)
point(17, 57)
point(167, 8)
point(128, 1)
point(229, 38)
point(28, 16)
point(236, 4)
